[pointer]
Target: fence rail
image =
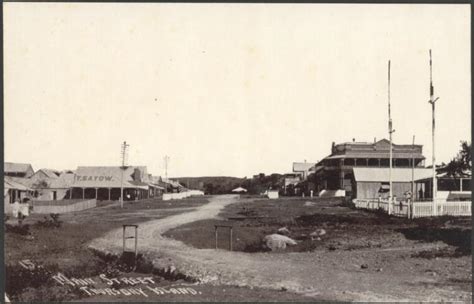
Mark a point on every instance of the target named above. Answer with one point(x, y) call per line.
point(417, 209)
point(46, 207)
point(181, 195)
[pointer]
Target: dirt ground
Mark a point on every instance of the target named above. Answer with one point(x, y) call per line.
point(65, 249)
point(362, 257)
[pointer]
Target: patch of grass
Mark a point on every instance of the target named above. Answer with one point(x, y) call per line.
point(346, 228)
point(64, 247)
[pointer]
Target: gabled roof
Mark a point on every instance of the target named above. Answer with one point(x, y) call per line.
point(65, 180)
point(172, 182)
point(382, 174)
point(302, 167)
point(11, 183)
point(16, 167)
point(49, 173)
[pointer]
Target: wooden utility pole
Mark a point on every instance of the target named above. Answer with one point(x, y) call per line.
point(432, 101)
point(390, 132)
point(413, 168)
point(166, 159)
point(122, 169)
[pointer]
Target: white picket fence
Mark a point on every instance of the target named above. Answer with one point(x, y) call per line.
point(64, 206)
point(417, 209)
point(181, 195)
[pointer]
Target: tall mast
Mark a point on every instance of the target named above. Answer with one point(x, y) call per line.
point(390, 131)
point(413, 168)
point(166, 159)
point(433, 101)
point(123, 155)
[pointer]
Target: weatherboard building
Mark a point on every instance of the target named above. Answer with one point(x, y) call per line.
point(340, 170)
point(104, 183)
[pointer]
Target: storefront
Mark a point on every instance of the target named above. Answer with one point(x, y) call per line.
point(106, 183)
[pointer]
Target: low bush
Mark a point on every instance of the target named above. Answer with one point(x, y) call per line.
point(18, 279)
point(18, 229)
point(51, 222)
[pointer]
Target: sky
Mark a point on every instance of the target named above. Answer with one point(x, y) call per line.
point(228, 89)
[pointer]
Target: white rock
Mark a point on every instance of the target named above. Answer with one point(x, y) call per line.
point(318, 232)
point(277, 241)
point(283, 231)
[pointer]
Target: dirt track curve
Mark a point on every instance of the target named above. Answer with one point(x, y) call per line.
point(329, 275)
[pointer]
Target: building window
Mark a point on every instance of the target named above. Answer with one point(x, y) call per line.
point(402, 162)
point(349, 162)
point(373, 162)
point(466, 184)
point(451, 184)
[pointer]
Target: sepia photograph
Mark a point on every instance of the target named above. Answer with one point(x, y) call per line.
point(237, 152)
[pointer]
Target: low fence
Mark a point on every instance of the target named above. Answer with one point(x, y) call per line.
point(63, 206)
point(181, 195)
point(417, 209)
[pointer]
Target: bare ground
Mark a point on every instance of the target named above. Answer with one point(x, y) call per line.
point(392, 274)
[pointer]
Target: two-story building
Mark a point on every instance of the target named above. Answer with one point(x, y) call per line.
point(335, 172)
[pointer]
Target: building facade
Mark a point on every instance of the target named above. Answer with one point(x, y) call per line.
point(335, 172)
point(104, 183)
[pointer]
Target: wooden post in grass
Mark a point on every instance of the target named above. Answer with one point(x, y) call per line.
point(230, 234)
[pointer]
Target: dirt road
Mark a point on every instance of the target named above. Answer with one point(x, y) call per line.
point(323, 274)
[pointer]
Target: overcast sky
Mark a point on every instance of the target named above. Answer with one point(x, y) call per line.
point(228, 89)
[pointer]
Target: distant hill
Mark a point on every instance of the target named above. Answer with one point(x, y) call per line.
point(211, 184)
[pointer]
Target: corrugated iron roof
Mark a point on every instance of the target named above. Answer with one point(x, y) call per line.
point(10, 183)
point(49, 173)
point(16, 167)
point(382, 174)
point(107, 177)
point(377, 155)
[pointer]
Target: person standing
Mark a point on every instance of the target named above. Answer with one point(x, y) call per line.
point(16, 208)
point(24, 210)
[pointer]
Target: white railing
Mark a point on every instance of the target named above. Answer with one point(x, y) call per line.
point(417, 209)
point(46, 207)
point(181, 195)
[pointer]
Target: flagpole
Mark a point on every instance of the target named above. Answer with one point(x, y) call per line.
point(433, 101)
point(390, 132)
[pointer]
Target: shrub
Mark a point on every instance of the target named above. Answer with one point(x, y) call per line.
point(18, 278)
point(52, 222)
point(18, 229)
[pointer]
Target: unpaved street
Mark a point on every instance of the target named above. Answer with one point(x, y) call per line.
point(325, 274)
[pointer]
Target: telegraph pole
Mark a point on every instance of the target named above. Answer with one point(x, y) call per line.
point(413, 168)
point(167, 159)
point(433, 101)
point(122, 169)
point(390, 132)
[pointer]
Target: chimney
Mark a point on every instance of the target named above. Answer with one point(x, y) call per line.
point(375, 140)
point(353, 140)
point(305, 160)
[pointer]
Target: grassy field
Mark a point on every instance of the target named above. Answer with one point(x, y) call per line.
point(346, 228)
point(359, 235)
point(64, 248)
